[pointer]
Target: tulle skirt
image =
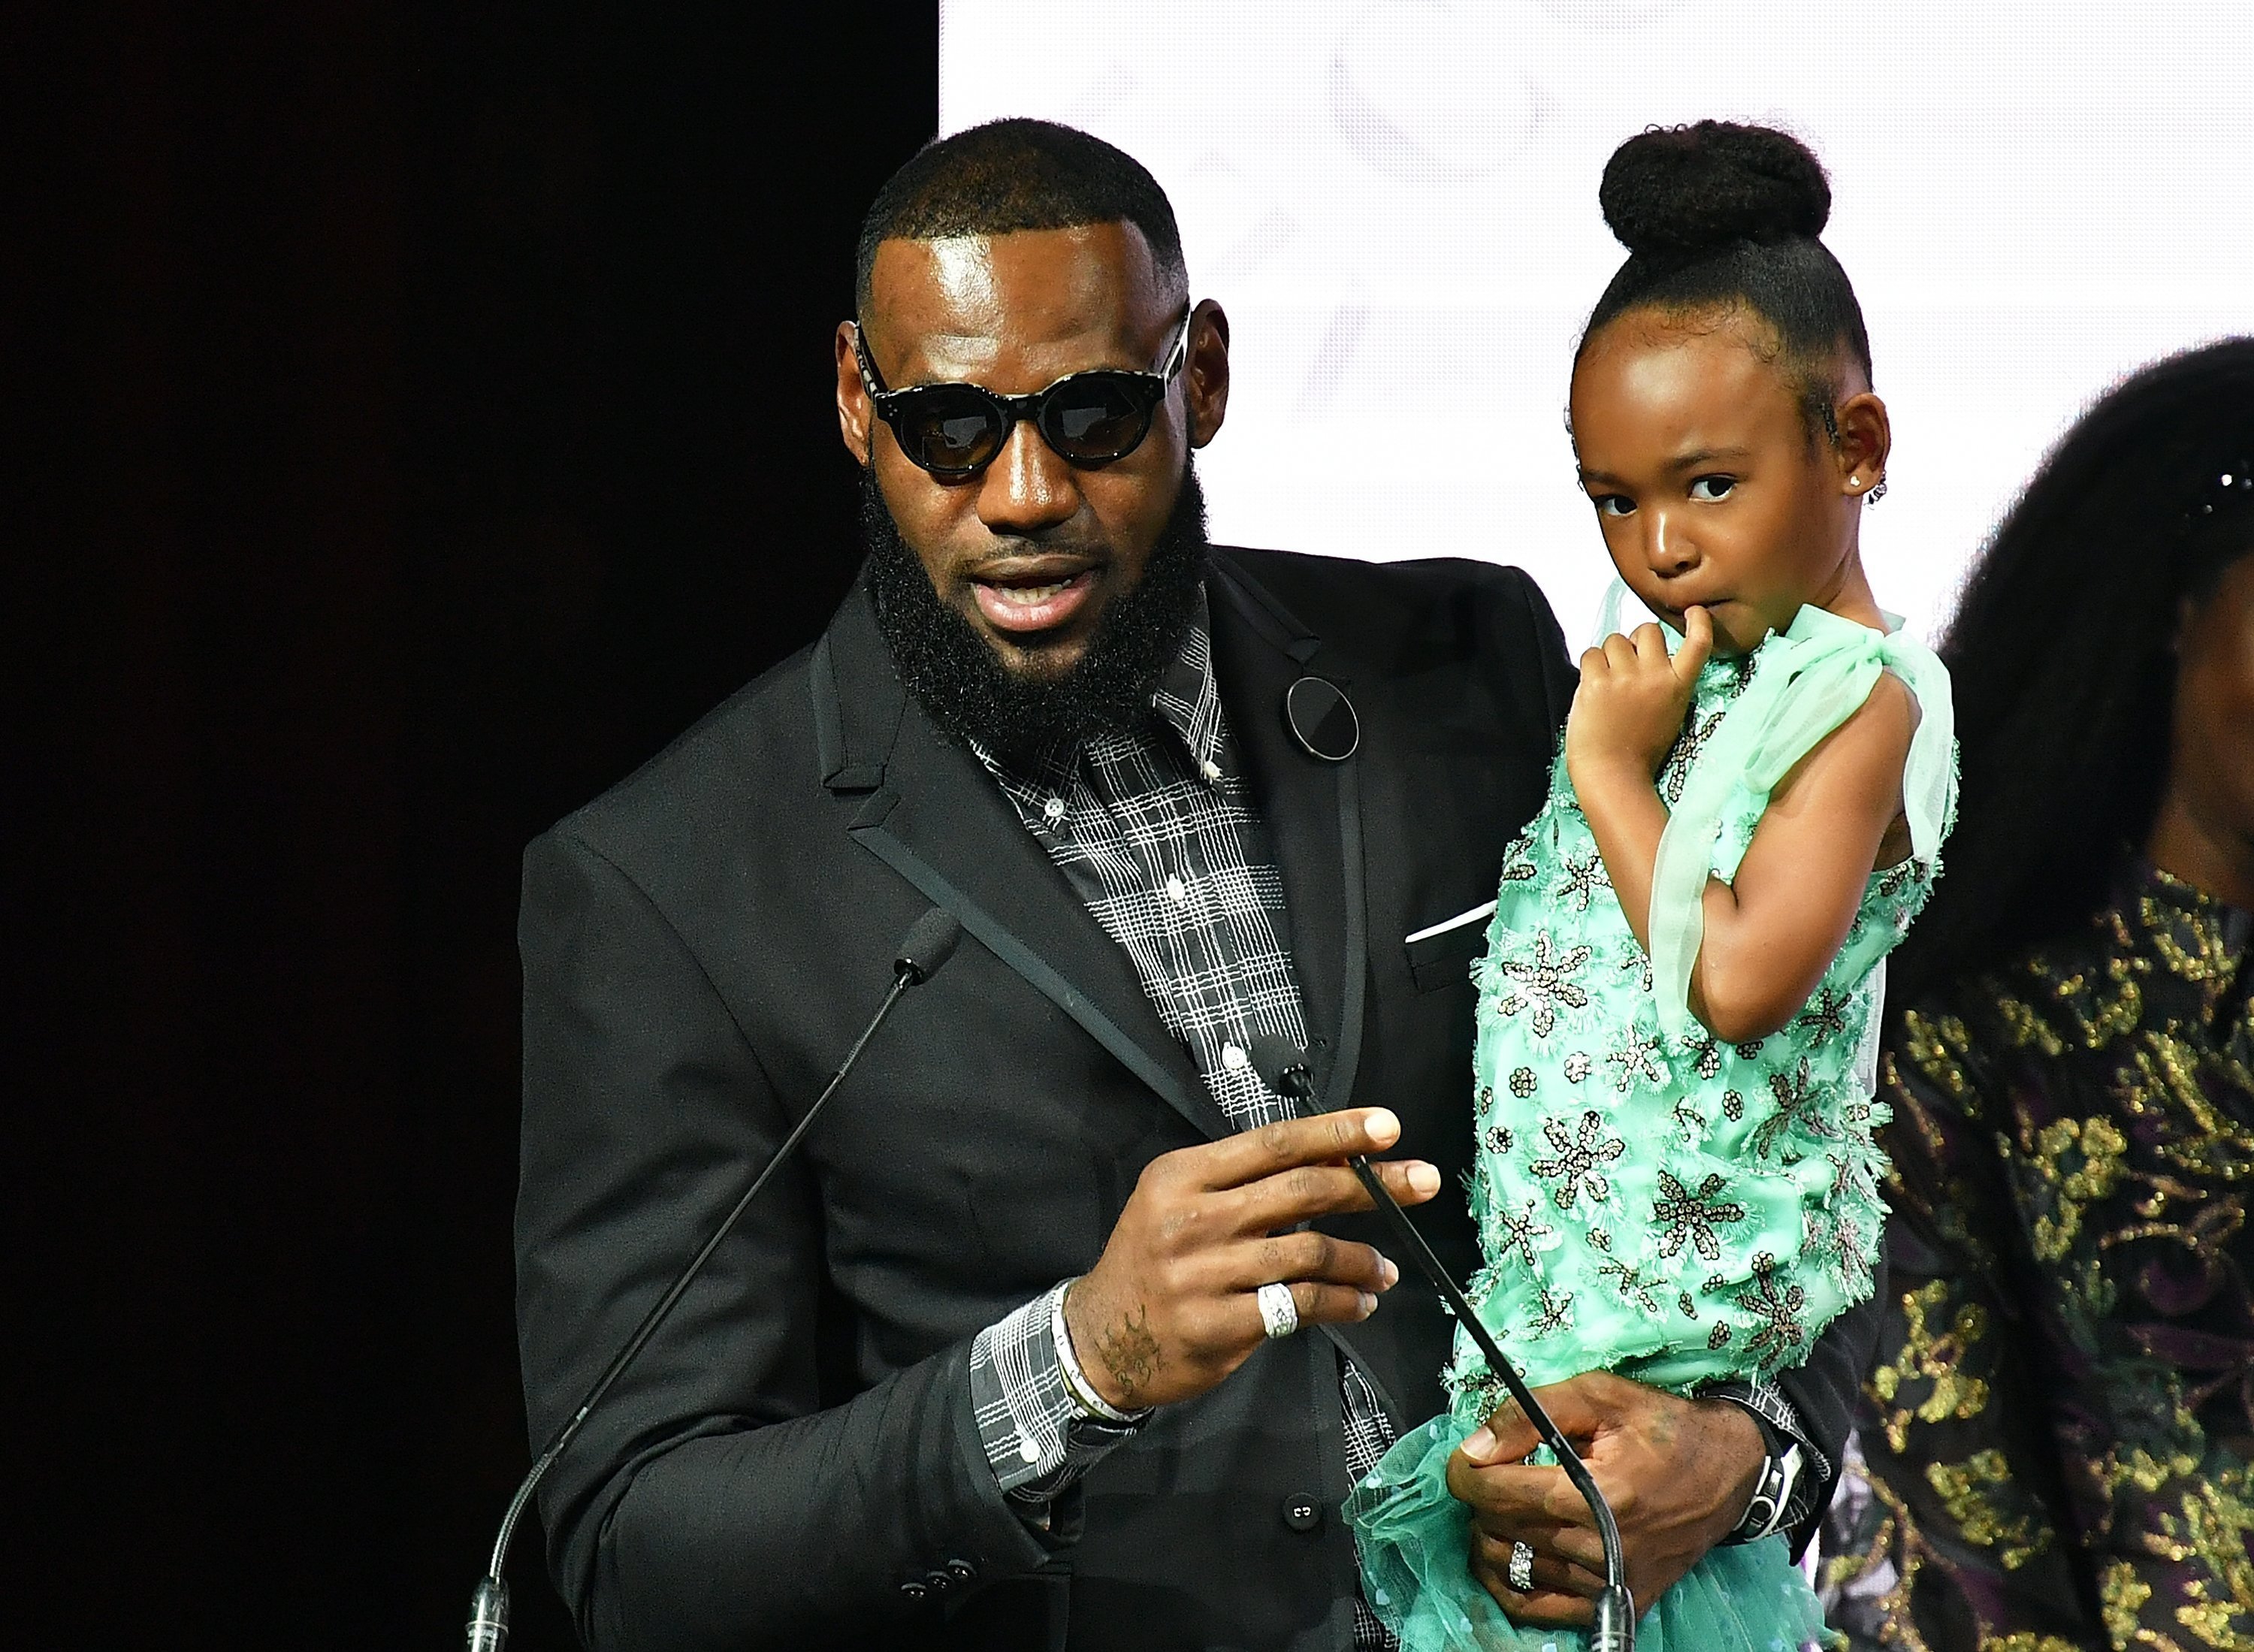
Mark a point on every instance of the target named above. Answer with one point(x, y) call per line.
point(1415, 1538)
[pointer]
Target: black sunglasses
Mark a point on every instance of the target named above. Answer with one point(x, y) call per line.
point(954, 430)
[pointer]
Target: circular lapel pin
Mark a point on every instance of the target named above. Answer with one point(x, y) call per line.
point(1322, 719)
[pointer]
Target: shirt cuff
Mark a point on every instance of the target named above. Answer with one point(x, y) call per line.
point(1779, 1416)
point(1042, 1426)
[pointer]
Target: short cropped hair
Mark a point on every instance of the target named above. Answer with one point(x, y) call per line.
point(1012, 175)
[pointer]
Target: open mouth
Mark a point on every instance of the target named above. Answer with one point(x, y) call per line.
point(1033, 599)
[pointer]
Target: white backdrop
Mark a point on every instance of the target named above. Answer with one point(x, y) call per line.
point(1396, 203)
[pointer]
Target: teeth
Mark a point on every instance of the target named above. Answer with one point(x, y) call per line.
point(1028, 595)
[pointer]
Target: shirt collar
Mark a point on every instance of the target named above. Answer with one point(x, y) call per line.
point(1187, 699)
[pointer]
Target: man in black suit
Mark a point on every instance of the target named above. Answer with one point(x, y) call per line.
point(1060, 1329)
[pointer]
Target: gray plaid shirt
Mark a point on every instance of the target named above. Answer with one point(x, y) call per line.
point(1155, 830)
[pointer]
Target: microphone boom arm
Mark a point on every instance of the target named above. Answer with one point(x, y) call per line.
point(927, 946)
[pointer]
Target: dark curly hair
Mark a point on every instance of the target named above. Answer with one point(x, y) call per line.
point(1017, 174)
point(2061, 658)
point(1717, 214)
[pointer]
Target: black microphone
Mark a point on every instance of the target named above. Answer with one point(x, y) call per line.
point(929, 943)
point(1284, 1068)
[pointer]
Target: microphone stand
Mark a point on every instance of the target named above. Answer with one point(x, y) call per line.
point(1284, 1068)
point(925, 948)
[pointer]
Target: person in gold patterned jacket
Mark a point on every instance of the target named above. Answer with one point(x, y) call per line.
point(2057, 1441)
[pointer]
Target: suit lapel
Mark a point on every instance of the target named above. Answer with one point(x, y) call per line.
point(937, 818)
point(1312, 809)
point(1314, 815)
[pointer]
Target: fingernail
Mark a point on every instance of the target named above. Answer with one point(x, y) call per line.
point(1384, 1129)
point(1392, 1273)
point(1425, 1178)
point(1480, 1446)
point(1369, 1304)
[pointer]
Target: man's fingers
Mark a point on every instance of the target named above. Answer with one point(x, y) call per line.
point(1293, 1196)
point(1553, 1574)
point(1576, 1548)
point(1548, 1611)
point(1572, 1545)
point(1252, 1154)
point(1576, 1405)
point(1697, 642)
point(1411, 1182)
point(1328, 1304)
point(1516, 1500)
point(1541, 1607)
point(1315, 1257)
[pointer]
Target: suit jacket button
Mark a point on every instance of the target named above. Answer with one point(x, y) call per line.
point(913, 1589)
point(938, 1582)
point(961, 1570)
point(1302, 1512)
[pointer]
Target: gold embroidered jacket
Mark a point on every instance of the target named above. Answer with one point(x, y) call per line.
point(2057, 1435)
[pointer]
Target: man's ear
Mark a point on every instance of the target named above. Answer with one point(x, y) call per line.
point(1866, 436)
point(856, 417)
point(1205, 375)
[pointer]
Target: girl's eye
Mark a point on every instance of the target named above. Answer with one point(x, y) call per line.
point(1613, 504)
point(1712, 487)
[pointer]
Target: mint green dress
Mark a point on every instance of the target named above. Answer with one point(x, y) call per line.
point(1651, 1202)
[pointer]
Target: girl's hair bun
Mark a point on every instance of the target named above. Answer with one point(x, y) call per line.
point(1681, 190)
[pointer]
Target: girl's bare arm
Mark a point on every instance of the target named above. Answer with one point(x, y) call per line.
point(1772, 933)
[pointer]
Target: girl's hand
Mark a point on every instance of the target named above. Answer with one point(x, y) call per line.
point(1632, 699)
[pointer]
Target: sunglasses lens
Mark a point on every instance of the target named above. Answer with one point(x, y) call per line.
point(948, 430)
point(1097, 415)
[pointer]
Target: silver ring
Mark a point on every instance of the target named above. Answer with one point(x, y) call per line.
point(1279, 1314)
point(1522, 1567)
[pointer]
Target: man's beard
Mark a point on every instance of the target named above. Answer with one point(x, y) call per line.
point(972, 696)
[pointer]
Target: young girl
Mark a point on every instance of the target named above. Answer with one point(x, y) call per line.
point(1675, 1179)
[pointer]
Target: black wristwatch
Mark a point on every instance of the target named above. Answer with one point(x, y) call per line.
point(1782, 1468)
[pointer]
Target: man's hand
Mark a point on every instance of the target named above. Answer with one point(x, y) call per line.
point(1170, 1310)
point(1632, 695)
point(1677, 1473)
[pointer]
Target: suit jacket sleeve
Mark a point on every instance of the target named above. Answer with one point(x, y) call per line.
point(1824, 1390)
point(726, 1494)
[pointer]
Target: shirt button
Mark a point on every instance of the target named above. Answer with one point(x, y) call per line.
point(1177, 890)
point(1233, 1058)
point(1027, 1450)
point(1210, 769)
point(1302, 1512)
point(1052, 810)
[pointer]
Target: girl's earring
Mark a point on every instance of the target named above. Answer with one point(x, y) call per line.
point(1877, 491)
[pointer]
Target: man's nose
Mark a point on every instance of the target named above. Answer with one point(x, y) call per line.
point(1027, 488)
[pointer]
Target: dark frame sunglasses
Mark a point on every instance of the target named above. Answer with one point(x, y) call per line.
point(956, 431)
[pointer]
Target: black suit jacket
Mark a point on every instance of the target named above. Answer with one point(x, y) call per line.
point(793, 1457)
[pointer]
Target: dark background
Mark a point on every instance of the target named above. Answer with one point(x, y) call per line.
point(415, 414)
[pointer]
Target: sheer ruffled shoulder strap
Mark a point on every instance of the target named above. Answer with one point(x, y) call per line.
point(1929, 776)
point(1811, 678)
